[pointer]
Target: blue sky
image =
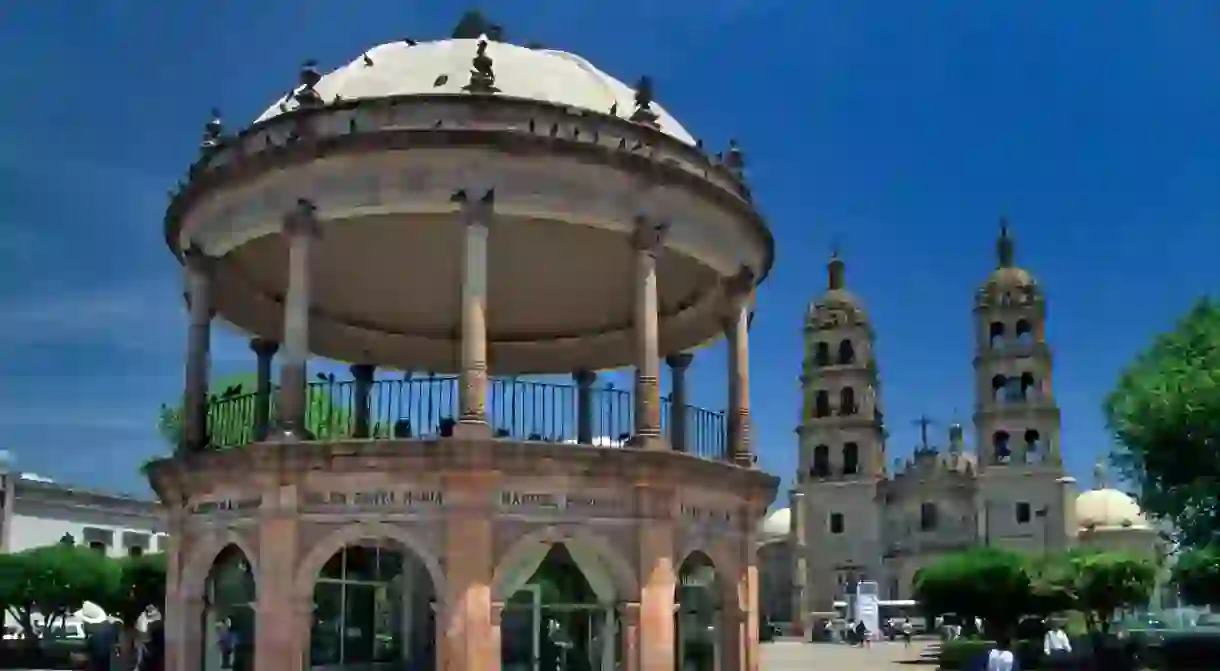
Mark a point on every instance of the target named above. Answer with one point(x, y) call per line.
point(902, 129)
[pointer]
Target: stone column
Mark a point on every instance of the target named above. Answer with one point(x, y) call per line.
point(477, 216)
point(630, 614)
point(265, 351)
point(647, 242)
point(300, 228)
point(464, 627)
point(200, 270)
point(797, 535)
point(658, 578)
point(584, 405)
point(362, 373)
point(737, 331)
point(277, 612)
point(678, 363)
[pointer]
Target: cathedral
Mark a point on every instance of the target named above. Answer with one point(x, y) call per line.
point(851, 518)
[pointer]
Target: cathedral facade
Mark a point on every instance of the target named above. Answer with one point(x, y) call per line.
point(854, 516)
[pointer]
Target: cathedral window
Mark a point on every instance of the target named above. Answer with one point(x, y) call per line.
point(1000, 447)
point(847, 401)
point(1024, 514)
point(1033, 445)
point(927, 517)
point(1025, 333)
point(1013, 391)
point(821, 404)
point(851, 459)
point(821, 354)
point(847, 353)
point(998, 384)
point(1028, 387)
point(995, 335)
point(821, 461)
point(836, 523)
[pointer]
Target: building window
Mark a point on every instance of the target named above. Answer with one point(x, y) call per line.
point(821, 404)
point(98, 539)
point(821, 462)
point(847, 401)
point(135, 551)
point(847, 353)
point(136, 543)
point(927, 517)
point(97, 546)
point(1023, 513)
point(851, 459)
point(836, 523)
point(821, 356)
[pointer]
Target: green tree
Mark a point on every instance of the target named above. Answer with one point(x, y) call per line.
point(1165, 416)
point(988, 583)
point(231, 412)
point(1197, 576)
point(1108, 582)
point(53, 581)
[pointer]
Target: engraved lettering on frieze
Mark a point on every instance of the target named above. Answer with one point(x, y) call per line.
point(225, 506)
point(386, 500)
point(706, 515)
point(515, 501)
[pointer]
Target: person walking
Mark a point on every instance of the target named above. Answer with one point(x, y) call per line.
point(1001, 657)
point(1057, 647)
point(905, 629)
point(101, 636)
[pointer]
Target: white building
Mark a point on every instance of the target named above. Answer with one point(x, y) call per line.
point(35, 511)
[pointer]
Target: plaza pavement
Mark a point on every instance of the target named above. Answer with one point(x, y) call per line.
point(797, 656)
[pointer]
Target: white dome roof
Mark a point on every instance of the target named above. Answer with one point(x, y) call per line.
point(776, 524)
point(554, 76)
point(1108, 509)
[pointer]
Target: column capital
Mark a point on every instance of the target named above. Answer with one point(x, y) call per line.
point(740, 284)
point(363, 372)
point(647, 234)
point(680, 361)
point(198, 261)
point(584, 378)
point(476, 209)
point(264, 347)
point(302, 219)
point(630, 611)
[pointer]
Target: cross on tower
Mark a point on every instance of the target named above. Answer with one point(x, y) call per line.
point(923, 423)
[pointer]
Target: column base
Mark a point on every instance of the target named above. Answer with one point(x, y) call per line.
point(745, 460)
point(288, 434)
point(648, 442)
point(472, 429)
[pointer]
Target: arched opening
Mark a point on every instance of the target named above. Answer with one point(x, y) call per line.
point(1012, 390)
point(821, 404)
point(229, 601)
point(851, 459)
point(1033, 446)
point(927, 517)
point(821, 461)
point(998, 384)
point(847, 401)
point(1029, 389)
point(821, 355)
point(1025, 333)
point(697, 620)
point(995, 335)
point(1000, 447)
point(847, 353)
point(372, 606)
point(562, 615)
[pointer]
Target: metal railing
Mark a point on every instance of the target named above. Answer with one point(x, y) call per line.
point(421, 407)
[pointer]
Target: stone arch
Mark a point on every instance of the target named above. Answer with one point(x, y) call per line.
point(604, 567)
point(193, 581)
point(311, 564)
point(721, 559)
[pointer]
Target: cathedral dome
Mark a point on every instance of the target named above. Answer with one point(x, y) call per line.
point(837, 306)
point(1008, 284)
point(775, 525)
point(1105, 508)
point(428, 68)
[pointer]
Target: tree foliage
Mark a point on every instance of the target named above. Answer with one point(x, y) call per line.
point(989, 583)
point(1108, 582)
point(1197, 576)
point(52, 582)
point(141, 584)
point(1165, 416)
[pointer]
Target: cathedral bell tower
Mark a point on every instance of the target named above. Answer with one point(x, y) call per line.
point(842, 443)
point(1016, 418)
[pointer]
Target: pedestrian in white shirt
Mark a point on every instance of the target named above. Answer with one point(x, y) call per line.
point(1001, 658)
point(1056, 644)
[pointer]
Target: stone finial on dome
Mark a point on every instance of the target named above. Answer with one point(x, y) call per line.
point(643, 103)
point(307, 95)
point(482, 74)
point(213, 132)
point(836, 270)
point(734, 158)
point(1100, 475)
point(1005, 248)
point(957, 443)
